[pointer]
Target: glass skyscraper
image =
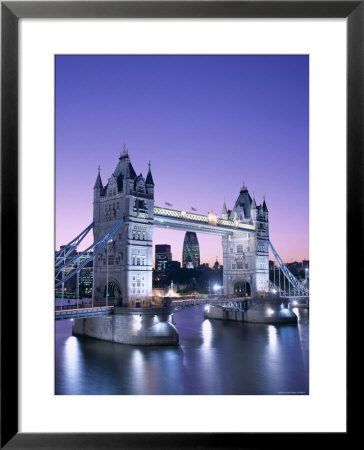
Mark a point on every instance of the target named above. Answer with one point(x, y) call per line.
point(191, 251)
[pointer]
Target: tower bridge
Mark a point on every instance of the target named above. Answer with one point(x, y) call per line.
point(124, 216)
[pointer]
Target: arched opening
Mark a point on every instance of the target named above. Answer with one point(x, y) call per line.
point(242, 289)
point(113, 293)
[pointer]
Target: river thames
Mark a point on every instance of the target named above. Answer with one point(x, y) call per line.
point(215, 357)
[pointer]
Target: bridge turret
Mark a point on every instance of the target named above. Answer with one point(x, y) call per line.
point(246, 270)
point(224, 213)
point(265, 209)
point(149, 183)
point(98, 192)
point(126, 264)
point(243, 203)
point(261, 226)
point(253, 210)
point(98, 183)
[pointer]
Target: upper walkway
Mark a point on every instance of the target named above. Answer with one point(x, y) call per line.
point(186, 221)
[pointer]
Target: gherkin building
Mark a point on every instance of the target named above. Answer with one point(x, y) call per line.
point(191, 251)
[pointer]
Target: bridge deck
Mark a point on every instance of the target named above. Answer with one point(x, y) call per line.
point(81, 313)
point(174, 305)
point(71, 312)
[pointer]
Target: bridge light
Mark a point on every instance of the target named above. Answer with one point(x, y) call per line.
point(216, 287)
point(295, 302)
point(212, 218)
point(270, 311)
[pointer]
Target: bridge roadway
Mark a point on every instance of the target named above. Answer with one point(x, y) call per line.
point(68, 312)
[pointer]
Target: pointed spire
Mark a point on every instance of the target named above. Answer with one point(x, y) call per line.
point(124, 153)
point(254, 204)
point(149, 179)
point(265, 209)
point(224, 208)
point(98, 183)
point(244, 188)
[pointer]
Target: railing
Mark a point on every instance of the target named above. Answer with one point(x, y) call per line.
point(79, 313)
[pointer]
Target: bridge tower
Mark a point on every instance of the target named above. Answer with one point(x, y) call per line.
point(245, 254)
point(123, 271)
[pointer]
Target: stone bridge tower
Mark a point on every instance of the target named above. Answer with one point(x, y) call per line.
point(246, 257)
point(123, 270)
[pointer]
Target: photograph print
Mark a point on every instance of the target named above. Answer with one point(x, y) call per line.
point(182, 225)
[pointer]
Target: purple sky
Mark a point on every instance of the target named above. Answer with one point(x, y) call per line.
point(206, 123)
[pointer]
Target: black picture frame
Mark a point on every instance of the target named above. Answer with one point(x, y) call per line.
point(11, 12)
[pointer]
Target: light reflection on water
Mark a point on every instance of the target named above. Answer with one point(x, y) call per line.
point(206, 333)
point(214, 357)
point(72, 358)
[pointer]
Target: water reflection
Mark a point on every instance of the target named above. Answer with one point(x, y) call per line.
point(206, 333)
point(72, 358)
point(214, 357)
point(272, 336)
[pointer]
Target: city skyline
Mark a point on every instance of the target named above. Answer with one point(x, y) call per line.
point(208, 124)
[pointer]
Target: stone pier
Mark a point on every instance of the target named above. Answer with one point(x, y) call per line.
point(135, 326)
point(260, 310)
